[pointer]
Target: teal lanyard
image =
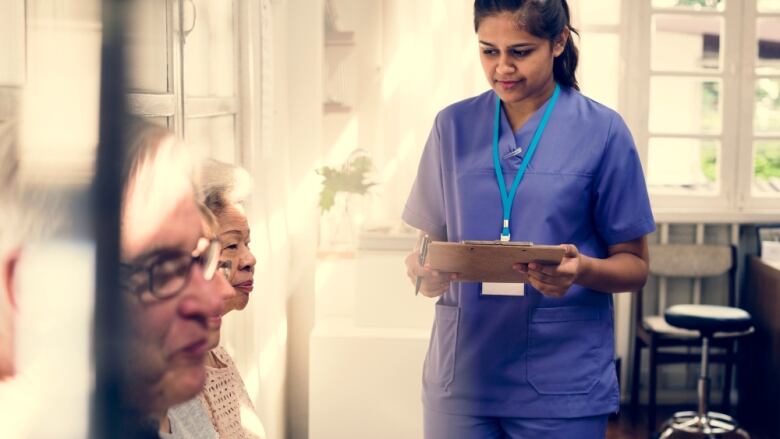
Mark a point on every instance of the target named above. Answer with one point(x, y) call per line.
point(507, 199)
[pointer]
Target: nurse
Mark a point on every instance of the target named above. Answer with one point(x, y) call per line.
point(531, 159)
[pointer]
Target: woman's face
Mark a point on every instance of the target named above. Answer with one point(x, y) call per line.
point(517, 64)
point(234, 237)
point(224, 290)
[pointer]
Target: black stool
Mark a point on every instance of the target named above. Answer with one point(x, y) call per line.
point(707, 319)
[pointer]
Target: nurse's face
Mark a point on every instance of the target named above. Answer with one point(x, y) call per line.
point(517, 64)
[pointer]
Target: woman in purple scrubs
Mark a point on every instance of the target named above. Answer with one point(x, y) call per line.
point(531, 159)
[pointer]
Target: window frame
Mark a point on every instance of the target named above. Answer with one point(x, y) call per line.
point(177, 107)
point(734, 203)
point(748, 200)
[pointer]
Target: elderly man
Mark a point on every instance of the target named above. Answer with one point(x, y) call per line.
point(168, 271)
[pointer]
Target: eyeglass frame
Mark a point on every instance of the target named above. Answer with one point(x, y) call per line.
point(226, 267)
point(208, 259)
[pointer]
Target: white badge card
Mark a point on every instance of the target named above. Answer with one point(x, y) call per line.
point(503, 289)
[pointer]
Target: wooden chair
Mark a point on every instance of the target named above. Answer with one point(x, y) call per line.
point(655, 334)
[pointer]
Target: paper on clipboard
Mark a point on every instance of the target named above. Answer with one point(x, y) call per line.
point(489, 261)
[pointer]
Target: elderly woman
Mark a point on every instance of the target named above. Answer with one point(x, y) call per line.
point(224, 188)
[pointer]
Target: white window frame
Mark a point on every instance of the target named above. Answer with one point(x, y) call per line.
point(734, 202)
point(168, 104)
point(747, 200)
point(246, 105)
point(175, 105)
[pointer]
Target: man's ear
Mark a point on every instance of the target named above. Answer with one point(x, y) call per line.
point(9, 274)
point(560, 42)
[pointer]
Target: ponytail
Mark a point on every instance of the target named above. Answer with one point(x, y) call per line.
point(565, 65)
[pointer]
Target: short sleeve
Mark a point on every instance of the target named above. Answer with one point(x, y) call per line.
point(425, 206)
point(622, 206)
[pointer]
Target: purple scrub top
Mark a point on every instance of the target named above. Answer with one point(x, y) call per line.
point(530, 356)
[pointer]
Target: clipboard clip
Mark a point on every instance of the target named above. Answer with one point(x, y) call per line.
point(498, 242)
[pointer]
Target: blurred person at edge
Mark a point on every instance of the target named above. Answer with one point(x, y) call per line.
point(43, 334)
point(10, 205)
point(168, 275)
point(21, 223)
point(224, 189)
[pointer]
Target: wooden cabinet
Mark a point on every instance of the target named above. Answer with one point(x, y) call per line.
point(759, 371)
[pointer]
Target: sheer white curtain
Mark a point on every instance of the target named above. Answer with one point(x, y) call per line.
point(257, 336)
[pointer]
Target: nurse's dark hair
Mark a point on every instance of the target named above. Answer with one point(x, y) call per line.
point(543, 19)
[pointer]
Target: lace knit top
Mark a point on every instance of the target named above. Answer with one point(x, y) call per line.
point(227, 402)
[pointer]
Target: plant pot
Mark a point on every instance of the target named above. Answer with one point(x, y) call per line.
point(340, 226)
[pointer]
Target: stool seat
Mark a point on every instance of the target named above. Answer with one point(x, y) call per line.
point(708, 318)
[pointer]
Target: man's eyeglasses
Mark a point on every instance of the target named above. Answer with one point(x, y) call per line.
point(170, 273)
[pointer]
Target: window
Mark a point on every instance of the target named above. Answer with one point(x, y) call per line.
point(706, 75)
point(184, 71)
point(762, 86)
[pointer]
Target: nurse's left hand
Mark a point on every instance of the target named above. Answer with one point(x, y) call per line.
point(554, 280)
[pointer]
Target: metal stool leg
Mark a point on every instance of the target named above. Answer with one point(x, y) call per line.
point(729, 376)
point(702, 421)
point(635, 372)
point(651, 388)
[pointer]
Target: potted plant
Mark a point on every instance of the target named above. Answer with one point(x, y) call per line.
point(340, 185)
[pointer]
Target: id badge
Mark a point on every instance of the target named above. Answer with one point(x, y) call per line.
point(503, 289)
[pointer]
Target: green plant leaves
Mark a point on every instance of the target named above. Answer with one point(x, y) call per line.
point(351, 177)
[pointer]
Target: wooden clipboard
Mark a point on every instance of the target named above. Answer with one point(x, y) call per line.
point(489, 261)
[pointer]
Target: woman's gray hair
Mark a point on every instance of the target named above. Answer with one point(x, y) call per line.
point(223, 185)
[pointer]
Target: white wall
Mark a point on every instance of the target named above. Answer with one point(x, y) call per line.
point(411, 60)
point(299, 126)
point(270, 338)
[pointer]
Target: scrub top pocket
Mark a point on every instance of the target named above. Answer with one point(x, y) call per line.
point(440, 362)
point(564, 349)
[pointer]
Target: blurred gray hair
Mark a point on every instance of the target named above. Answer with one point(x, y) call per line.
point(223, 185)
point(9, 157)
point(10, 197)
point(25, 215)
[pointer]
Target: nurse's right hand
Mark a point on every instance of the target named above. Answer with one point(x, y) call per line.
point(434, 282)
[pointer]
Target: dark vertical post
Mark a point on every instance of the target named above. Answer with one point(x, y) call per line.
point(109, 417)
